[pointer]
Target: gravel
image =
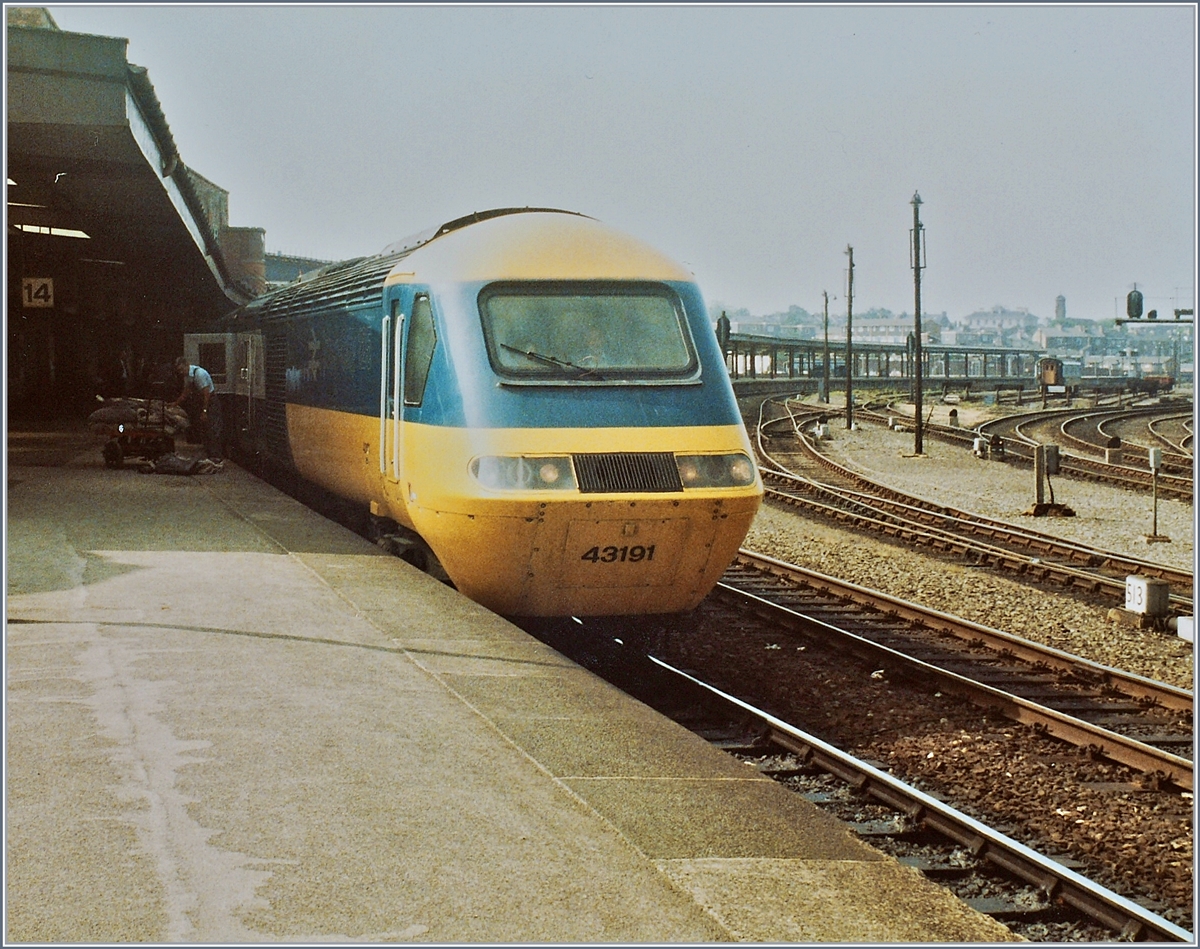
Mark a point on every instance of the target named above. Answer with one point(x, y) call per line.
point(1107, 517)
point(1127, 833)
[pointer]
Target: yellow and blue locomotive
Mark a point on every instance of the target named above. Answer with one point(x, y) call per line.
point(535, 398)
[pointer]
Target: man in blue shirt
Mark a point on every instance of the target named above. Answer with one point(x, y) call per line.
point(202, 408)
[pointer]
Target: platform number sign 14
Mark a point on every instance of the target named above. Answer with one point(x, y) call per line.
point(37, 291)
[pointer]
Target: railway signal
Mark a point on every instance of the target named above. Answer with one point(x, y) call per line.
point(1133, 304)
point(918, 239)
point(849, 341)
point(1155, 460)
point(1045, 464)
point(1133, 310)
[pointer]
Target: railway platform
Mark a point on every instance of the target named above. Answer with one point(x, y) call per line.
point(233, 721)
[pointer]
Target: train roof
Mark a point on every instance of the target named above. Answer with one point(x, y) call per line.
point(520, 243)
point(424, 237)
point(537, 245)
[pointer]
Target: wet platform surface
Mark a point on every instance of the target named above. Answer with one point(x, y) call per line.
point(231, 720)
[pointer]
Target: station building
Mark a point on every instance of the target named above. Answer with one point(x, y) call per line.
point(114, 244)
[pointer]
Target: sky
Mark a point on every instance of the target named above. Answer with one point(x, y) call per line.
point(1053, 147)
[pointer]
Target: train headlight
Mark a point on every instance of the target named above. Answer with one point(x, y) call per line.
point(524, 473)
point(715, 471)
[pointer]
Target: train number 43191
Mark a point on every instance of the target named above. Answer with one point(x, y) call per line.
point(634, 554)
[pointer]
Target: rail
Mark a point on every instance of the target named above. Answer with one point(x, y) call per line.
point(745, 586)
point(883, 510)
point(1118, 913)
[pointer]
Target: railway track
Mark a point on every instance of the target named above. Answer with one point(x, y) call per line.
point(809, 480)
point(917, 813)
point(1042, 894)
point(1174, 432)
point(1140, 723)
point(1019, 444)
point(1091, 432)
point(1020, 439)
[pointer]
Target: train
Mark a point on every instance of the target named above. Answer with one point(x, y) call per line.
point(1054, 374)
point(528, 401)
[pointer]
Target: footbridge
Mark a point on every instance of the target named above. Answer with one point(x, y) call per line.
point(772, 364)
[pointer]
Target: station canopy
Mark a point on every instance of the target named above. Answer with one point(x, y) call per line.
point(91, 161)
point(113, 243)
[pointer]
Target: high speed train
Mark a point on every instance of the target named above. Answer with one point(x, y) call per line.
point(535, 400)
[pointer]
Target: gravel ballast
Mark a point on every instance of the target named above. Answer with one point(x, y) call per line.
point(1106, 517)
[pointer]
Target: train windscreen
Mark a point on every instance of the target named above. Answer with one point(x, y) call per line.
point(591, 332)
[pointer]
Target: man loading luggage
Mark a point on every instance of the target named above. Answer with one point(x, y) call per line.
point(202, 408)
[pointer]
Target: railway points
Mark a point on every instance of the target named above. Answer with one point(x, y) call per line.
point(231, 720)
point(1126, 464)
point(810, 480)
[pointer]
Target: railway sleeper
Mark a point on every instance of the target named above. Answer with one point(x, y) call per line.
point(1007, 911)
point(1166, 740)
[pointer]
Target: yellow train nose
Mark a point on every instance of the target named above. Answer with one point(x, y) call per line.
point(592, 558)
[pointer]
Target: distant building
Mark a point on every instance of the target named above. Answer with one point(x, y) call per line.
point(1060, 308)
point(242, 247)
point(1082, 338)
point(1000, 319)
point(780, 330)
point(34, 18)
point(894, 329)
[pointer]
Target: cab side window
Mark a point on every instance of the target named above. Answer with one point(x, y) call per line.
point(422, 337)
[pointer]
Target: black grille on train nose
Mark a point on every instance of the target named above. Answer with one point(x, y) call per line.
point(627, 471)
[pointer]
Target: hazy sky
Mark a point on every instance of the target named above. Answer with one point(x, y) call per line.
point(1053, 146)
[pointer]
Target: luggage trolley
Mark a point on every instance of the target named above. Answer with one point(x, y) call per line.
point(141, 439)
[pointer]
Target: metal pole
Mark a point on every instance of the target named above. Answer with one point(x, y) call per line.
point(849, 341)
point(1039, 476)
point(1154, 523)
point(918, 395)
point(723, 337)
point(825, 362)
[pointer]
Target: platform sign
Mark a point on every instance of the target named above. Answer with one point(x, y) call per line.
point(37, 291)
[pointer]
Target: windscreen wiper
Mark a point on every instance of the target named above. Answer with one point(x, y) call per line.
point(551, 360)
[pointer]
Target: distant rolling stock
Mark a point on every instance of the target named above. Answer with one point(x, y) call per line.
point(1052, 371)
point(530, 397)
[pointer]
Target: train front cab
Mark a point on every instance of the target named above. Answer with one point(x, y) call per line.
point(1050, 372)
point(568, 515)
point(557, 551)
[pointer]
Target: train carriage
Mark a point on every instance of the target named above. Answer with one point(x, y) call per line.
point(533, 398)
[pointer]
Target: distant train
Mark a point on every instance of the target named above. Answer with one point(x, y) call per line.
point(1054, 372)
point(1050, 372)
point(530, 397)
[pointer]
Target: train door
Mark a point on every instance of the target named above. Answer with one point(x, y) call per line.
point(407, 342)
point(391, 342)
point(217, 354)
point(249, 381)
